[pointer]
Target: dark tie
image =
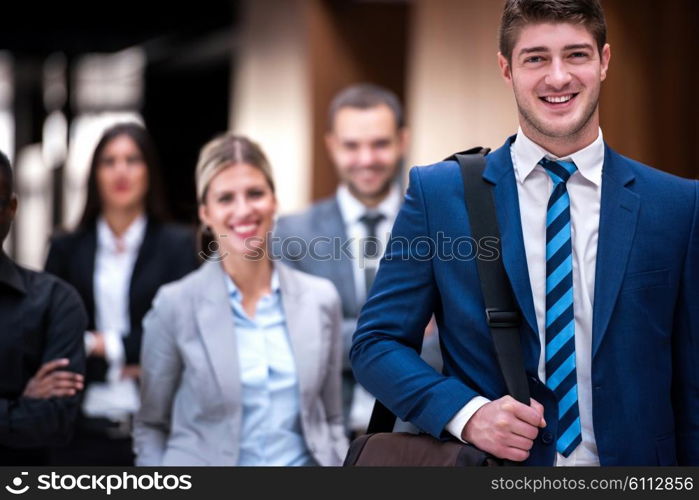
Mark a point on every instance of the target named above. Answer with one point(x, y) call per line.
point(561, 374)
point(370, 246)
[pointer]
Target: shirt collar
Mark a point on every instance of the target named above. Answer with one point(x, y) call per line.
point(235, 293)
point(131, 239)
point(9, 274)
point(352, 209)
point(527, 154)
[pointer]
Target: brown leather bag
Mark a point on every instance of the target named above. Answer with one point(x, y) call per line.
point(402, 449)
point(380, 446)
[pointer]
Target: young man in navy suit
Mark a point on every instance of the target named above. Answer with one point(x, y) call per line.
point(603, 256)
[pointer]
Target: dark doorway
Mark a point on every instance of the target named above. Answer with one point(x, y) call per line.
point(189, 52)
point(185, 106)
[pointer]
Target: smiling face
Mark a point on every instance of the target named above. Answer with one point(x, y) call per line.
point(556, 74)
point(239, 207)
point(122, 175)
point(366, 146)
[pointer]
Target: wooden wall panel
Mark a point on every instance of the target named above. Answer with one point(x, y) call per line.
point(351, 42)
point(649, 108)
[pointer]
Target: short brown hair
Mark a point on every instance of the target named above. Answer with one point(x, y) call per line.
point(517, 13)
point(366, 96)
point(225, 151)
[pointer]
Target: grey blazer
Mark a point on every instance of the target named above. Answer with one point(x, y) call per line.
point(191, 412)
point(322, 219)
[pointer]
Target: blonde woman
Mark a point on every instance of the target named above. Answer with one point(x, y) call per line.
point(241, 358)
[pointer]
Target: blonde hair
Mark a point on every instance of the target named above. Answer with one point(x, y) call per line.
point(225, 151)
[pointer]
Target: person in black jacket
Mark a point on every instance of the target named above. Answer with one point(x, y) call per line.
point(42, 359)
point(119, 256)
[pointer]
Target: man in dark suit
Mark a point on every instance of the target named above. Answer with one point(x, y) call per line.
point(603, 256)
point(42, 321)
point(341, 238)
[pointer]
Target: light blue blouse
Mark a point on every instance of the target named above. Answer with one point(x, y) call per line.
point(271, 424)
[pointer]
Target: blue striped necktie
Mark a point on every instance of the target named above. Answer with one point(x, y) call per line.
point(561, 376)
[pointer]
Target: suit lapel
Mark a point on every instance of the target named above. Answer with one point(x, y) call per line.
point(217, 330)
point(617, 226)
point(141, 267)
point(85, 254)
point(302, 332)
point(499, 171)
point(332, 225)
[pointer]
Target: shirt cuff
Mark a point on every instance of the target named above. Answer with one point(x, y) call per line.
point(89, 341)
point(456, 425)
point(113, 347)
point(114, 354)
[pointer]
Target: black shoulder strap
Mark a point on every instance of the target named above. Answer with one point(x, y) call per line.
point(501, 310)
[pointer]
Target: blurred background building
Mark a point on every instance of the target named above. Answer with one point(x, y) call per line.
point(268, 69)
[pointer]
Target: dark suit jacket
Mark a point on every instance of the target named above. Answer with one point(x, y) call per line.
point(167, 253)
point(645, 334)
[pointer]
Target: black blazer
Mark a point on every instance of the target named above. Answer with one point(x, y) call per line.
point(167, 253)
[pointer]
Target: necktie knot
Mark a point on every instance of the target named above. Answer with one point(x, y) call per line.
point(559, 171)
point(371, 221)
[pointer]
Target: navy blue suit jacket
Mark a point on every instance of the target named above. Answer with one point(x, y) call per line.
point(645, 338)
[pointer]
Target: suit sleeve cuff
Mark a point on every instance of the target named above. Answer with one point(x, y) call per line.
point(456, 425)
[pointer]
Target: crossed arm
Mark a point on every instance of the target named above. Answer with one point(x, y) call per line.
point(51, 381)
point(46, 411)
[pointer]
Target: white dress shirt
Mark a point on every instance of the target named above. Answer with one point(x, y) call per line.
point(271, 431)
point(117, 397)
point(352, 210)
point(534, 187)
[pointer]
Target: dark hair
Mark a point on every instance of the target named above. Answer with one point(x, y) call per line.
point(6, 175)
point(154, 203)
point(365, 96)
point(517, 13)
